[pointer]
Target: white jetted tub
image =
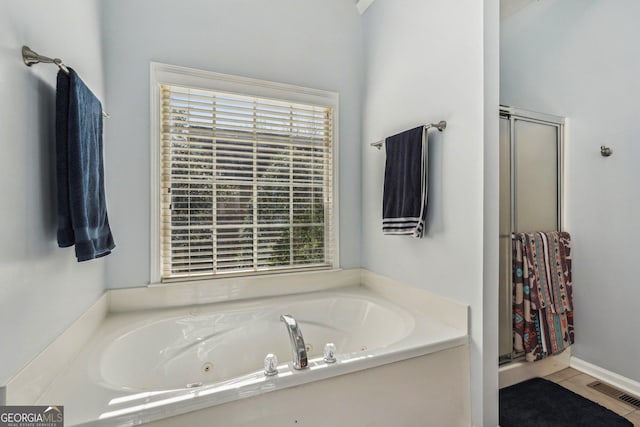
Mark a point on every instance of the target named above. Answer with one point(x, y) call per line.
point(205, 346)
point(147, 365)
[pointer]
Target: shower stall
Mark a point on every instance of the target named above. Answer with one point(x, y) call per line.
point(531, 146)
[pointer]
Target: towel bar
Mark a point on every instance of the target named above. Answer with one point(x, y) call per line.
point(441, 125)
point(30, 57)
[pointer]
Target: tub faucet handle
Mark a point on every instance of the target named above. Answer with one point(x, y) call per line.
point(330, 352)
point(271, 365)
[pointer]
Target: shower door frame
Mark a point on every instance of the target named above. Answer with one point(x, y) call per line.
point(514, 114)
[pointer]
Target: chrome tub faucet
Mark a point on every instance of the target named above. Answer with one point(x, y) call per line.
point(297, 342)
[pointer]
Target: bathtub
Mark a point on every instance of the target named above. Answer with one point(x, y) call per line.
point(149, 365)
point(210, 345)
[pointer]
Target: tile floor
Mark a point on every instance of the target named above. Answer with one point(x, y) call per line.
point(577, 382)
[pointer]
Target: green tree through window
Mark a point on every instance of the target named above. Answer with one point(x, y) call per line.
point(246, 182)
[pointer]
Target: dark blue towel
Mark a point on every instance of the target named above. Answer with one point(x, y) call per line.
point(404, 203)
point(82, 210)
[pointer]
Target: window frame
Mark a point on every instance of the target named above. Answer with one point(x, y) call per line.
point(166, 74)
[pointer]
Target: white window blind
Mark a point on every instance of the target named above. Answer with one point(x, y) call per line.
point(246, 184)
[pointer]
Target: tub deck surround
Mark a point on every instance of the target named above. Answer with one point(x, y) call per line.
point(229, 289)
point(145, 364)
point(28, 384)
point(444, 310)
point(406, 393)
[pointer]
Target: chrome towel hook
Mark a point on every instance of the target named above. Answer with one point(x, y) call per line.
point(605, 151)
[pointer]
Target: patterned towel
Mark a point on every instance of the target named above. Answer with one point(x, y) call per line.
point(547, 260)
point(542, 291)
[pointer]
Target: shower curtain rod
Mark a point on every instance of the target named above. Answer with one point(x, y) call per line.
point(30, 57)
point(441, 125)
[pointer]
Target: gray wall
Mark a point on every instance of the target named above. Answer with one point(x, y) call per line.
point(581, 59)
point(314, 44)
point(425, 61)
point(42, 287)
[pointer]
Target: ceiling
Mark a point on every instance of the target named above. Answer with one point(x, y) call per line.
point(362, 5)
point(507, 7)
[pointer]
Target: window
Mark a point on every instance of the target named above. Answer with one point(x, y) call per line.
point(246, 181)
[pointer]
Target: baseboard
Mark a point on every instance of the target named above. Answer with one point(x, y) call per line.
point(516, 372)
point(611, 378)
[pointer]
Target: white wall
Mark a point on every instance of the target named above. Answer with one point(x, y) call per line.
point(42, 287)
point(424, 62)
point(491, 213)
point(581, 59)
point(315, 44)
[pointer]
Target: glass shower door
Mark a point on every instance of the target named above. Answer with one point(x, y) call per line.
point(505, 338)
point(530, 193)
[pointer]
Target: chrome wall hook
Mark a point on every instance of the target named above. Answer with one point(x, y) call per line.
point(605, 151)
